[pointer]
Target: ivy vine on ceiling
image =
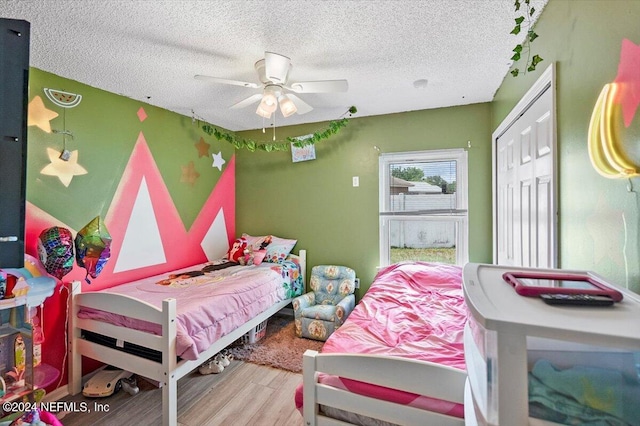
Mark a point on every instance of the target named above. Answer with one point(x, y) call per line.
point(280, 145)
point(525, 21)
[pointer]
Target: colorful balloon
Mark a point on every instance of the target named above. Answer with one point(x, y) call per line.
point(55, 250)
point(93, 244)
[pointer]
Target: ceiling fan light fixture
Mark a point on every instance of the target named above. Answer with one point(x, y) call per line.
point(269, 103)
point(270, 98)
point(263, 112)
point(287, 107)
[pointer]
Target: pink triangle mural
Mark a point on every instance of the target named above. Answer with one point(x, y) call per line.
point(142, 183)
point(141, 194)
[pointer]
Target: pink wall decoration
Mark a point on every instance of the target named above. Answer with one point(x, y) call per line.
point(160, 245)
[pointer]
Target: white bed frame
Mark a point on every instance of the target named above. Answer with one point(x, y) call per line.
point(419, 377)
point(170, 370)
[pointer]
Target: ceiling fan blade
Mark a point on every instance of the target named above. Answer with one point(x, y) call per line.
point(276, 67)
point(302, 106)
point(246, 102)
point(323, 86)
point(227, 81)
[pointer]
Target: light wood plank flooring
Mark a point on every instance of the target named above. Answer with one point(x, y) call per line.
point(243, 394)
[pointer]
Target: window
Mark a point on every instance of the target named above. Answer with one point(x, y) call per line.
point(423, 207)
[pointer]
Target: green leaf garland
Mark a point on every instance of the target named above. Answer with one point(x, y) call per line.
point(523, 48)
point(283, 145)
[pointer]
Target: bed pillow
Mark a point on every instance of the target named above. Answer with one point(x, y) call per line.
point(256, 243)
point(279, 249)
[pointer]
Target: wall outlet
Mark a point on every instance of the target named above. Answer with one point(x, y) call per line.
point(356, 181)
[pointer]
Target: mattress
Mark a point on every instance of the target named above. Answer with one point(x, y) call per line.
point(210, 305)
point(412, 310)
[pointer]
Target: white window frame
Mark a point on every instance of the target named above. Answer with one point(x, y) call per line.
point(459, 216)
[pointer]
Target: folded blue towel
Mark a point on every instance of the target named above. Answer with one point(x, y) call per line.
point(592, 395)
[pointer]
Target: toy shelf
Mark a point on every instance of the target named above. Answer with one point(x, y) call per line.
point(14, 302)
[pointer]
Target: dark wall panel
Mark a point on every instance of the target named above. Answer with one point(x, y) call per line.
point(14, 81)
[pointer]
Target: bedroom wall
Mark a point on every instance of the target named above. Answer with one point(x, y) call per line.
point(315, 202)
point(150, 177)
point(598, 222)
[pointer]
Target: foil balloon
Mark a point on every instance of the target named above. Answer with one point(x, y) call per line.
point(93, 244)
point(55, 250)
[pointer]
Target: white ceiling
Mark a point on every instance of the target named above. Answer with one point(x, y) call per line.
point(150, 51)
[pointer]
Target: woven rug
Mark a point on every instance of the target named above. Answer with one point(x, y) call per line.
point(280, 348)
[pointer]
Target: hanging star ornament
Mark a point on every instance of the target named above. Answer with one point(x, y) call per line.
point(203, 148)
point(629, 79)
point(189, 174)
point(39, 115)
point(64, 170)
point(218, 161)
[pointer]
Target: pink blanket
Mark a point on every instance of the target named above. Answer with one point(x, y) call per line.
point(208, 307)
point(412, 310)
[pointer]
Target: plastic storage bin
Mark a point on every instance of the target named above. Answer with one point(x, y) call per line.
point(508, 335)
point(254, 335)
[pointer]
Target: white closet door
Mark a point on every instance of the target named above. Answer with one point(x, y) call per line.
point(524, 179)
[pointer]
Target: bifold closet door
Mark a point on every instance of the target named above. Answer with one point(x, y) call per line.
point(525, 188)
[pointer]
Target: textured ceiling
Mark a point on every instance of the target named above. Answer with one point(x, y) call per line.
point(150, 51)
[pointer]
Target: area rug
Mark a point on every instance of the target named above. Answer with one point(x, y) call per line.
point(280, 348)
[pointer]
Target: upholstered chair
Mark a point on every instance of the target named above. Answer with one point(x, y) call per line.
point(321, 311)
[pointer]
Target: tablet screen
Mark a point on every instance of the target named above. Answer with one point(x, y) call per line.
point(531, 282)
point(535, 283)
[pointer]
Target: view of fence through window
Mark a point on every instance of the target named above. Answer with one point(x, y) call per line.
point(422, 198)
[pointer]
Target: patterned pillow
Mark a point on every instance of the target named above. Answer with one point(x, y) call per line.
point(256, 242)
point(279, 249)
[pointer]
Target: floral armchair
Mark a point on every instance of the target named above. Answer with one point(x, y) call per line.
point(321, 311)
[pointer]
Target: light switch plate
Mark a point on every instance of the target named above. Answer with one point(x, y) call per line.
point(356, 181)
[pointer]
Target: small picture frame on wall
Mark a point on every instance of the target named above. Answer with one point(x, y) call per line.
point(305, 153)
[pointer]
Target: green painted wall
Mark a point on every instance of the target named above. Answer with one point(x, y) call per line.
point(315, 202)
point(598, 221)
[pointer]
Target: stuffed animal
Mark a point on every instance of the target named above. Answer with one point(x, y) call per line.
point(247, 258)
point(236, 252)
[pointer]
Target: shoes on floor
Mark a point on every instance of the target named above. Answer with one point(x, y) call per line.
point(216, 364)
point(211, 367)
point(223, 359)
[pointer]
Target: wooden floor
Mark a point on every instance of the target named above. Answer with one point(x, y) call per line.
point(243, 394)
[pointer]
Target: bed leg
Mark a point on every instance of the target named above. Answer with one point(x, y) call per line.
point(75, 359)
point(170, 402)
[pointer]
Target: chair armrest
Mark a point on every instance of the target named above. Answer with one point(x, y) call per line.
point(344, 309)
point(301, 302)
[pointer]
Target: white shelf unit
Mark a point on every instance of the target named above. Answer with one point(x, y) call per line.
point(507, 332)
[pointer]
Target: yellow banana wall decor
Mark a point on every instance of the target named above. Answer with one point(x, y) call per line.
point(605, 147)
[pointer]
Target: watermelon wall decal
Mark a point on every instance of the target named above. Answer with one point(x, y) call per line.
point(63, 99)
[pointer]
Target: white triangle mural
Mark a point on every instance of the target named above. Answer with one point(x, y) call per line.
point(215, 243)
point(142, 245)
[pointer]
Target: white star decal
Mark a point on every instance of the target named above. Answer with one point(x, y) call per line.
point(64, 170)
point(218, 161)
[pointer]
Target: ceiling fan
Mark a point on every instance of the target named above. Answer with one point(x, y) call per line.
point(273, 72)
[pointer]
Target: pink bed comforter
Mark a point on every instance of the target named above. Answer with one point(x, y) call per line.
point(208, 307)
point(412, 310)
